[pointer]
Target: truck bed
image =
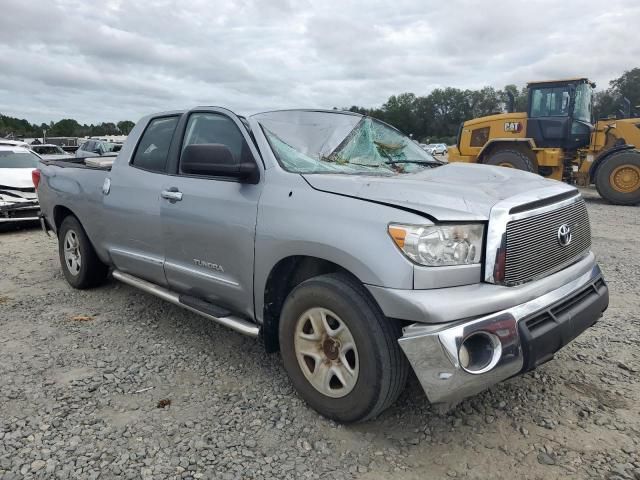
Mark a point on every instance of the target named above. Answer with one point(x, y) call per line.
point(91, 163)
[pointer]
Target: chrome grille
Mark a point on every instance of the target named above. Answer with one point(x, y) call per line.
point(532, 247)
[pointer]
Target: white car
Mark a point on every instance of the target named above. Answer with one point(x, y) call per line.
point(50, 152)
point(98, 148)
point(13, 143)
point(437, 149)
point(18, 199)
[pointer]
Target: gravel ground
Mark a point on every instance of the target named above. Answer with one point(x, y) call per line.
point(115, 383)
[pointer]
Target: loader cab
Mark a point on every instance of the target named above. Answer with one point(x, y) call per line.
point(559, 113)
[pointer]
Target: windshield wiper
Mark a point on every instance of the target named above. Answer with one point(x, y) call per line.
point(419, 162)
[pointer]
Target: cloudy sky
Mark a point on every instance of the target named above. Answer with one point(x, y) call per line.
point(111, 60)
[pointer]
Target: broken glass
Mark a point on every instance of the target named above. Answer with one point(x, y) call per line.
point(339, 142)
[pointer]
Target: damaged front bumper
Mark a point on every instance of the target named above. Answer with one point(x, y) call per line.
point(20, 213)
point(459, 359)
point(19, 205)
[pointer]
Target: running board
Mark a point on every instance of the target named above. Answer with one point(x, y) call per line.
point(201, 308)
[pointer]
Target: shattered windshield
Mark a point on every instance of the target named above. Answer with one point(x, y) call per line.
point(334, 142)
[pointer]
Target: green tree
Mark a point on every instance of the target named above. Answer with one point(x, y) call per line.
point(450, 108)
point(519, 96)
point(67, 127)
point(399, 112)
point(627, 86)
point(125, 126)
point(604, 104)
point(483, 102)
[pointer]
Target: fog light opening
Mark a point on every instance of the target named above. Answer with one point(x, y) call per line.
point(479, 352)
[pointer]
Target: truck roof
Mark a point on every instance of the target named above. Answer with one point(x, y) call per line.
point(322, 110)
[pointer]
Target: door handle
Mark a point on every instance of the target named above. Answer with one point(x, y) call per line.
point(171, 195)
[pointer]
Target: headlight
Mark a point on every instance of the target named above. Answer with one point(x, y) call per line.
point(439, 245)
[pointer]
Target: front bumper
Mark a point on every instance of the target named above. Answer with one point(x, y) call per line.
point(20, 214)
point(529, 334)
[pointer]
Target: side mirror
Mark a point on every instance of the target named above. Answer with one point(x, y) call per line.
point(216, 160)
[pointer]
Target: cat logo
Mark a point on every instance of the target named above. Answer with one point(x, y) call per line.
point(514, 127)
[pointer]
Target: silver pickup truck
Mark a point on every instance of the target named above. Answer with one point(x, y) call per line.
point(341, 243)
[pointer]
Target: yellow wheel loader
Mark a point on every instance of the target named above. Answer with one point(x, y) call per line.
point(557, 139)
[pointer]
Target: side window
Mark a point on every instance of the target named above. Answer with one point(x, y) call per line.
point(153, 148)
point(207, 128)
point(550, 102)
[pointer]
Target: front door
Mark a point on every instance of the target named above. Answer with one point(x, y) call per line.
point(209, 222)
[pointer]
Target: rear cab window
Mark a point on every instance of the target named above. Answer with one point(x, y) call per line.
point(153, 149)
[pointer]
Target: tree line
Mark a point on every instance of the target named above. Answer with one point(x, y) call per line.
point(67, 127)
point(433, 118)
point(436, 117)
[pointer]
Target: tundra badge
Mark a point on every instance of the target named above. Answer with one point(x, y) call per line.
point(212, 266)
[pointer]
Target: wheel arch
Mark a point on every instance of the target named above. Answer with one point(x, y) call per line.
point(514, 143)
point(602, 156)
point(283, 277)
point(60, 212)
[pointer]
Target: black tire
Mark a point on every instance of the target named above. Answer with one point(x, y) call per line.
point(90, 271)
point(382, 365)
point(511, 159)
point(603, 178)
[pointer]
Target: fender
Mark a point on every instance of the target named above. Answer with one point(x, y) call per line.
point(493, 141)
point(604, 155)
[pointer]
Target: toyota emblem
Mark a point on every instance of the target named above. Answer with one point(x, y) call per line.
point(564, 235)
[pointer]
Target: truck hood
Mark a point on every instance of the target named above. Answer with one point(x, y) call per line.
point(453, 192)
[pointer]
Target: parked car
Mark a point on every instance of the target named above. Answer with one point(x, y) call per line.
point(49, 151)
point(341, 243)
point(437, 149)
point(13, 143)
point(96, 148)
point(18, 200)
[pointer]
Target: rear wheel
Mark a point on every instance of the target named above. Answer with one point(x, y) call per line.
point(339, 350)
point(618, 178)
point(80, 264)
point(511, 159)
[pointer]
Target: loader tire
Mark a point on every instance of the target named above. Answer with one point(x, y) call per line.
point(512, 159)
point(617, 178)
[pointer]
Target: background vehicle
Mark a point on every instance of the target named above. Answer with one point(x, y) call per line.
point(438, 149)
point(49, 151)
point(18, 200)
point(96, 148)
point(386, 258)
point(13, 143)
point(556, 138)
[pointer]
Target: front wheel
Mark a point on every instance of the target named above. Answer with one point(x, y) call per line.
point(339, 350)
point(618, 178)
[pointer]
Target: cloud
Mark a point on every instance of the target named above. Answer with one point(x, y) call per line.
point(111, 60)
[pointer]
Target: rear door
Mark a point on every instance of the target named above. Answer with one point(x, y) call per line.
point(132, 203)
point(209, 226)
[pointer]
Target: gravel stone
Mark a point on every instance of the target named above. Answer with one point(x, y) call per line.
point(79, 397)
